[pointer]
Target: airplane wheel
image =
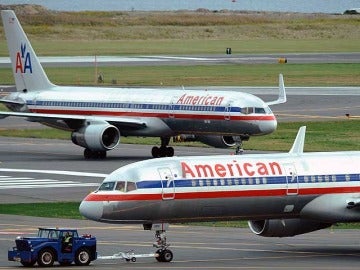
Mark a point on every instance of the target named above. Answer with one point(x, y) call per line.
point(88, 154)
point(170, 152)
point(167, 255)
point(163, 151)
point(155, 152)
point(101, 154)
point(164, 255)
point(159, 257)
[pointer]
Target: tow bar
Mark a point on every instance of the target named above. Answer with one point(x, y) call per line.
point(128, 256)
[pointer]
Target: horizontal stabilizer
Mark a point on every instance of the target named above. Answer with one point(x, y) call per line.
point(12, 102)
point(298, 145)
point(282, 93)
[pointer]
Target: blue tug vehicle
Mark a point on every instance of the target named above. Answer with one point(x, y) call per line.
point(53, 244)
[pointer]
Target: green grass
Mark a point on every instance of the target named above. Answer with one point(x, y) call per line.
point(207, 75)
point(123, 33)
point(70, 210)
point(320, 136)
point(51, 210)
point(183, 47)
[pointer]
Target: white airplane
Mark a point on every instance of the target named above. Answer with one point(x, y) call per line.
point(282, 194)
point(97, 116)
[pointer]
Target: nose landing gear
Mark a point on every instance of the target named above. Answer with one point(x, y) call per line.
point(164, 254)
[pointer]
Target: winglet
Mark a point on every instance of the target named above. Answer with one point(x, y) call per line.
point(298, 145)
point(282, 93)
point(27, 70)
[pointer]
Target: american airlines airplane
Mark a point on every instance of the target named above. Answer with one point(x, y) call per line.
point(98, 116)
point(282, 194)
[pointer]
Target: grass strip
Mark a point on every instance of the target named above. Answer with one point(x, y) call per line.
point(205, 75)
point(51, 210)
point(70, 210)
point(320, 136)
point(186, 32)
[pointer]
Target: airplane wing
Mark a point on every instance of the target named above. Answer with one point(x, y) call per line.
point(127, 122)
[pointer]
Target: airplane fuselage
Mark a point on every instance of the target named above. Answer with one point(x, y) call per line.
point(99, 116)
point(166, 112)
point(312, 186)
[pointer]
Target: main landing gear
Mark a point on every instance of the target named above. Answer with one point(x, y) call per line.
point(239, 143)
point(164, 150)
point(89, 154)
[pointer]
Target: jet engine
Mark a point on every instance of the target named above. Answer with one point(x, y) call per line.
point(285, 227)
point(97, 136)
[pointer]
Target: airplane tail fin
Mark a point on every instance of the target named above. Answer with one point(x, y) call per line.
point(298, 145)
point(27, 70)
point(282, 93)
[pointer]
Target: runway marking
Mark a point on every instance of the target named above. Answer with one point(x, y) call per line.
point(7, 182)
point(74, 173)
point(310, 116)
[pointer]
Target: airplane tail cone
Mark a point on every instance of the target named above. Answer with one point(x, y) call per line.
point(27, 70)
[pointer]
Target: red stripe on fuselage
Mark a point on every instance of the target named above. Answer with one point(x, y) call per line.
point(219, 194)
point(191, 115)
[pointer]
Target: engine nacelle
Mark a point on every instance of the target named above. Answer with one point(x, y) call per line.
point(97, 137)
point(285, 227)
point(217, 141)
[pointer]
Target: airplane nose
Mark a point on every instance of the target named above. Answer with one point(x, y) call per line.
point(267, 127)
point(91, 210)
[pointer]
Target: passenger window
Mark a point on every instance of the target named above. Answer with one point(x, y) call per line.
point(107, 186)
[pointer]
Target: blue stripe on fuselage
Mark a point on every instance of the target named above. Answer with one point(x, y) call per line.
point(271, 180)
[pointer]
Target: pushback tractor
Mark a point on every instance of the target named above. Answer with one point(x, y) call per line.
point(53, 244)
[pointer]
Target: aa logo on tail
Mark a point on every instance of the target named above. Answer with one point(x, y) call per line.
point(23, 60)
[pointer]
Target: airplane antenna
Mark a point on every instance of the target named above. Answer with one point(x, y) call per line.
point(298, 145)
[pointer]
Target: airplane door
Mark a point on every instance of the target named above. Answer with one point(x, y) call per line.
point(35, 103)
point(292, 183)
point(227, 111)
point(167, 183)
point(172, 106)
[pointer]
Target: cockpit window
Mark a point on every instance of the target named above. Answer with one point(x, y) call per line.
point(120, 186)
point(107, 186)
point(125, 186)
point(259, 110)
point(130, 186)
point(247, 110)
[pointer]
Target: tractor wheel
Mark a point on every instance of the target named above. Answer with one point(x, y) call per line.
point(46, 258)
point(82, 257)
